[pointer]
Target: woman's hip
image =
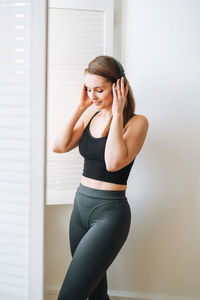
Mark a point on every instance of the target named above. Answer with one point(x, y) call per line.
point(108, 206)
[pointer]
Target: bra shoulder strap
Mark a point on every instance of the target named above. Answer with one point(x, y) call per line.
point(93, 117)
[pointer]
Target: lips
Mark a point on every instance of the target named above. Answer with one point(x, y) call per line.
point(96, 102)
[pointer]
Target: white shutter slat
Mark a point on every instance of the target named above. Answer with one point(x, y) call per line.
point(11, 208)
point(15, 121)
point(14, 3)
point(77, 32)
point(14, 133)
point(18, 280)
point(19, 198)
point(15, 111)
point(18, 219)
point(13, 229)
point(14, 249)
point(10, 259)
point(15, 137)
point(9, 144)
point(12, 290)
point(20, 166)
point(18, 88)
point(13, 239)
point(13, 155)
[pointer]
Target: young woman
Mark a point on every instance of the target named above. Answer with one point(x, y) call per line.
point(109, 139)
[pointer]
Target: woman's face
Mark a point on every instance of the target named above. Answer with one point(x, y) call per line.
point(99, 90)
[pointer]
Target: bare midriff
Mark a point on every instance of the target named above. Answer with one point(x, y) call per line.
point(102, 185)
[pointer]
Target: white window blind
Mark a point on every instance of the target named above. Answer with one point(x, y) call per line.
point(77, 32)
point(14, 148)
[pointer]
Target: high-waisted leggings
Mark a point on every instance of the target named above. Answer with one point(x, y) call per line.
point(98, 228)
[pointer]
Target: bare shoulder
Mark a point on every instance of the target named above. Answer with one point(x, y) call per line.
point(137, 121)
point(140, 119)
point(88, 115)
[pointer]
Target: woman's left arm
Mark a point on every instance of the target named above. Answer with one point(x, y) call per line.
point(121, 148)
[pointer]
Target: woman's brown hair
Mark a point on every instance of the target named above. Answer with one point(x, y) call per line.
point(107, 67)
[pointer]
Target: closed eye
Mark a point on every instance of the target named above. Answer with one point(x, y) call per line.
point(97, 91)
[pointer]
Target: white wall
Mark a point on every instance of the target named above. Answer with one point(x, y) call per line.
point(160, 52)
point(160, 46)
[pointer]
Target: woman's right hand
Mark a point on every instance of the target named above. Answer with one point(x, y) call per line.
point(85, 101)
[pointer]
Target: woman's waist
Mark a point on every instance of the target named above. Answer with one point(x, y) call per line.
point(102, 185)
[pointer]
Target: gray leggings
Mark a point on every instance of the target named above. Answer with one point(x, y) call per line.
point(99, 226)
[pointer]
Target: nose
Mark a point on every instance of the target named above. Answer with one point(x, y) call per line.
point(92, 95)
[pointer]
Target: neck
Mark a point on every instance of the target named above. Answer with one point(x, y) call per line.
point(106, 114)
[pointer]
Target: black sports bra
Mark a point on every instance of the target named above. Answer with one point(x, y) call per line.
point(92, 149)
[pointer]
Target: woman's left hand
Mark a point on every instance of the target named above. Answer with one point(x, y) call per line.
point(119, 96)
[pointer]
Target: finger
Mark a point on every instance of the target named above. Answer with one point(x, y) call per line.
point(127, 87)
point(114, 90)
point(122, 85)
point(118, 88)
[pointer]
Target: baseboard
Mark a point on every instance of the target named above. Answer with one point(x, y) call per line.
point(53, 290)
point(127, 295)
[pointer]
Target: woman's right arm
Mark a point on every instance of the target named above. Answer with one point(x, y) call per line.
point(68, 135)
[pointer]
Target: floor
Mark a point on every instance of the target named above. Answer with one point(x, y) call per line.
point(121, 298)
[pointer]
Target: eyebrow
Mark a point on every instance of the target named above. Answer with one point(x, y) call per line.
point(96, 86)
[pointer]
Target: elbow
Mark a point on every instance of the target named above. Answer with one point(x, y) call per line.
point(57, 149)
point(114, 165)
point(54, 148)
point(111, 168)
